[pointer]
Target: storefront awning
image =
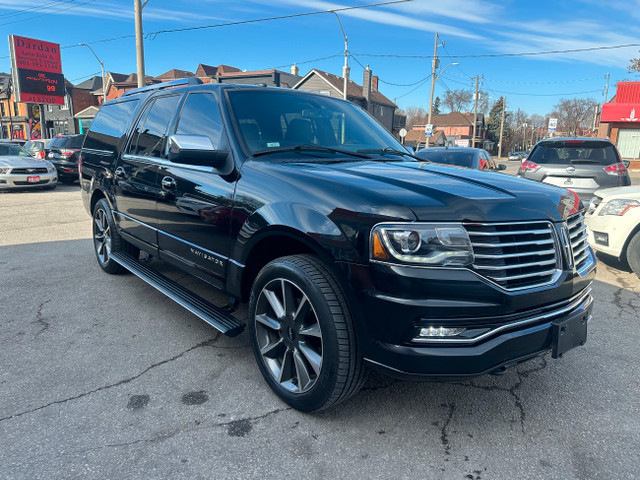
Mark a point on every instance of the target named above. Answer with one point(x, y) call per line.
point(621, 112)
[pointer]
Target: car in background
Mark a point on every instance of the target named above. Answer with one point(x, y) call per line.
point(582, 165)
point(517, 156)
point(475, 158)
point(18, 169)
point(63, 151)
point(36, 148)
point(613, 218)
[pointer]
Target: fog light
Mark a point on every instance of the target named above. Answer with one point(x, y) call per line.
point(440, 332)
point(601, 238)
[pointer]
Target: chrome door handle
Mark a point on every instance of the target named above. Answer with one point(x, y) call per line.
point(119, 173)
point(168, 183)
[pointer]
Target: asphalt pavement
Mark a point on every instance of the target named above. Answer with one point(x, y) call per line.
point(102, 376)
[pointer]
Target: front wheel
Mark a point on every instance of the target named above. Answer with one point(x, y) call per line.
point(302, 334)
point(633, 254)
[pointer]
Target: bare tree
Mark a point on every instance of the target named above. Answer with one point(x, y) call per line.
point(457, 100)
point(416, 116)
point(634, 66)
point(574, 114)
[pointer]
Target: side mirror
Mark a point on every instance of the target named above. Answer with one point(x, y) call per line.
point(626, 163)
point(502, 166)
point(195, 150)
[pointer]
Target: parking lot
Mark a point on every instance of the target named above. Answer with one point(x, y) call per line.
point(103, 377)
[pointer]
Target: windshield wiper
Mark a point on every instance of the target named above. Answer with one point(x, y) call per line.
point(391, 151)
point(309, 148)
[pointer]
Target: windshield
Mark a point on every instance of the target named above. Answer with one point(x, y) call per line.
point(33, 146)
point(275, 119)
point(563, 153)
point(6, 150)
point(460, 158)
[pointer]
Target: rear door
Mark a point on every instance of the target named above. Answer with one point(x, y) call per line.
point(195, 203)
point(136, 186)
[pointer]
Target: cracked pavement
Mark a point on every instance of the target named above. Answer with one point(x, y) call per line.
point(101, 377)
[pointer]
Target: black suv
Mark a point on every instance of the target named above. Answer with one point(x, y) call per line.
point(351, 252)
point(63, 152)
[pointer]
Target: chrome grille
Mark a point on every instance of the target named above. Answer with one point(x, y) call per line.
point(579, 240)
point(515, 255)
point(28, 171)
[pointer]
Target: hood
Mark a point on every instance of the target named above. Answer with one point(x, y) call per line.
point(632, 192)
point(14, 161)
point(439, 193)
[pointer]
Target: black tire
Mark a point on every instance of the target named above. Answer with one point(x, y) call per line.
point(633, 254)
point(68, 180)
point(341, 371)
point(106, 239)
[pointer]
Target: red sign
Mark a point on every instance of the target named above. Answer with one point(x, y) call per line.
point(620, 112)
point(37, 70)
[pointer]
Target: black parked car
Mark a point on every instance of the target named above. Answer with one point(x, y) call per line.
point(63, 152)
point(351, 252)
point(475, 158)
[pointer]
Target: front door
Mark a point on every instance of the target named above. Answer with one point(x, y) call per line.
point(136, 185)
point(194, 209)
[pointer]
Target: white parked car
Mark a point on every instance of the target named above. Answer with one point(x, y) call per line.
point(613, 219)
point(18, 169)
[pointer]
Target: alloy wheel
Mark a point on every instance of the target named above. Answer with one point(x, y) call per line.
point(288, 335)
point(102, 235)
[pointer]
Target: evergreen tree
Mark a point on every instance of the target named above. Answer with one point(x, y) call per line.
point(436, 106)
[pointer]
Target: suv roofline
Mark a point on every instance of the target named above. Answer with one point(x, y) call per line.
point(564, 139)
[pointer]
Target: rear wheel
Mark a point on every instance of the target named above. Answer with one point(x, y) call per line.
point(68, 180)
point(303, 335)
point(633, 254)
point(106, 239)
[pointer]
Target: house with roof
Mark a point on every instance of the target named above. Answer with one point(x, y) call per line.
point(458, 129)
point(417, 139)
point(118, 83)
point(207, 73)
point(367, 95)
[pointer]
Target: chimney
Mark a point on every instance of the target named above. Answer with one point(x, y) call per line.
point(374, 83)
point(366, 86)
point(294, 69)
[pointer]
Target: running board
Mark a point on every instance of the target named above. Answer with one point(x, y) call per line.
point(214, 316)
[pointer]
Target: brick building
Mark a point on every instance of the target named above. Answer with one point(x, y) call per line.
point(620, 121)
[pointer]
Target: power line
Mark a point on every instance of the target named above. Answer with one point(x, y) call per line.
point(494, 55)
point(529, 94)
point(309, 61)
point(34, 9)
point(75, 5)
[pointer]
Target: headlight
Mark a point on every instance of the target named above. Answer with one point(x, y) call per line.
point(618, 206)
point(4, 171)
point(427, 244)
point(51, 169)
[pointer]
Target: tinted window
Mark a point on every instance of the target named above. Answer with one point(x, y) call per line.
point(75, 141)
point(200, 116)
point(54, 142)
point(149, 136)
point(34, 146)
point(109, 125)
point(580, 152)
point(10, 149)
point(460, 158)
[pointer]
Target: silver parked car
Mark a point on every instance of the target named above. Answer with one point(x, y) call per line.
point(582, 165)
point(18, 169)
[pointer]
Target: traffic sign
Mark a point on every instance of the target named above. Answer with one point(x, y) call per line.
point(403, 132)
point(428, 130)
point(553, 124)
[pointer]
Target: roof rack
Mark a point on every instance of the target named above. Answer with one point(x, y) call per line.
point(163, 85)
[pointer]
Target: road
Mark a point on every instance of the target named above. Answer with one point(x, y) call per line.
point(103, 377)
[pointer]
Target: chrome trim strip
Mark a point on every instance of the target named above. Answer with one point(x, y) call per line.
point(220, 256)
point(166, 163)
point(515, 265)
point(519, 222)
point(514, 244)
point(134, 220)
point(524, 275)
point(512, 255)
point(515, 232)
point(579, 302)
point(580, 229)
point(553, 280)
point(575, 242)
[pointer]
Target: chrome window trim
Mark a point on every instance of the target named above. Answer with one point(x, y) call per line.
point(167, 163)
point(583, 301)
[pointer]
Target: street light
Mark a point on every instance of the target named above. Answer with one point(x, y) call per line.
point(104, 95)
point(434, 79)
point(345, 69)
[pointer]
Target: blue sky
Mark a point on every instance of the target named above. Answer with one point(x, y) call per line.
point(533, 83)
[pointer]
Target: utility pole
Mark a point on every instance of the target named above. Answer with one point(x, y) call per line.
point(345, 68)
point(9, 107)
point(434, 66)
point(137, 8)
point(504, 106)
point(606, 89)
point(475, 112)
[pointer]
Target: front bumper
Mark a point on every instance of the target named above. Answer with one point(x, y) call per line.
point(503, 346)
point(617, 228)
point(22, 181)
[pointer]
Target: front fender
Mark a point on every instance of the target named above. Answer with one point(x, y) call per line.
point(301, 221)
